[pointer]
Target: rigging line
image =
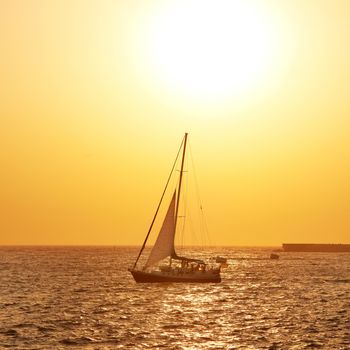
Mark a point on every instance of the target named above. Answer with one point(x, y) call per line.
point(206, 230)
point(182, 234)
point(179, 237)
point(195, 242)
point(181, 227)
point(185, 206)
point(194, 174)
point(160, 202)
point(199, 205)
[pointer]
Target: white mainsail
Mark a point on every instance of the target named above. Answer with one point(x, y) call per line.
point(164, 245)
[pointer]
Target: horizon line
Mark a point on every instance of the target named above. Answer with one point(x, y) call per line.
point(130, 245)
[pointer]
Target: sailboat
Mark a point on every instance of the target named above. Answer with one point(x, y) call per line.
point(177, 268)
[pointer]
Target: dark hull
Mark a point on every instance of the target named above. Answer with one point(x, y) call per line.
point(149, 277)
point(326, 248)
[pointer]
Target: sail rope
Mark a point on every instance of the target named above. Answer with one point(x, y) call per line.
point(185, 207)
point(183, 217)
point(203, 222)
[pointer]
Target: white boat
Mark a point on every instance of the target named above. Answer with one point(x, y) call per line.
point(163, 263)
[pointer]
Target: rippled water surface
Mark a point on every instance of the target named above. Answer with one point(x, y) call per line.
point(84, 298)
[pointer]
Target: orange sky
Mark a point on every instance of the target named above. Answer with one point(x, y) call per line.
point(94, 103)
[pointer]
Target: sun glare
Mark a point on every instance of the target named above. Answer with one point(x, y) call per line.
point(209, 49)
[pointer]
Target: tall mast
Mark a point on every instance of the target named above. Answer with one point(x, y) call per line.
point(180, 182)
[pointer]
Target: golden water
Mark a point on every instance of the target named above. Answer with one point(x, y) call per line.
point(84, 298)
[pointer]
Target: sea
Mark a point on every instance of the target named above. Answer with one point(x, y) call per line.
point(85, 298)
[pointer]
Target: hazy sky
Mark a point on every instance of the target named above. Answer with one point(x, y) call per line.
point(96, 96)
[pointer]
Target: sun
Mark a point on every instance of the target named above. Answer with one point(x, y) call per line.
point(209, 49)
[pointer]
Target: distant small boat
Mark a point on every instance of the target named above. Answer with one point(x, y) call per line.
point(177, 268)
point(274, 256)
